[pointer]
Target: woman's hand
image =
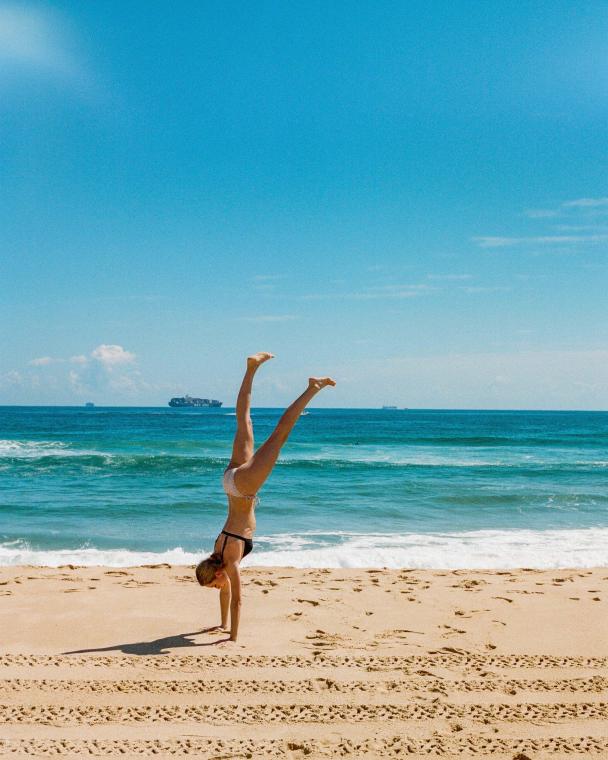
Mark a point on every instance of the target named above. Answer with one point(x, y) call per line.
point(227, 643)
point(216, 629)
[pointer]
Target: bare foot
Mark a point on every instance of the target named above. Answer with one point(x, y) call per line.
point(320, 382)
point(253, 362)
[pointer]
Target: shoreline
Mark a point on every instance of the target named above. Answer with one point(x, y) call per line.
point(489, 549)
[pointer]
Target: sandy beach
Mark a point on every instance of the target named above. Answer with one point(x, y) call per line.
point(330, 663)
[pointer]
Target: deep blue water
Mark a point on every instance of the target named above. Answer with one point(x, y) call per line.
point(352, 487)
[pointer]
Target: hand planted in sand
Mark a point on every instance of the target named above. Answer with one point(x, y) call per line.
point(216, 629)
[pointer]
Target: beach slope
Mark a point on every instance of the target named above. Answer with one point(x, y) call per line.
point(330, 663)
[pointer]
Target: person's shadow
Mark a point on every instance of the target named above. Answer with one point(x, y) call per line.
point(157, 646)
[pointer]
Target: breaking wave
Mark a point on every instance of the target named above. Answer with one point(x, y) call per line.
point(484, 549)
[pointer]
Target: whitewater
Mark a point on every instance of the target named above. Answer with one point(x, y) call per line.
point(353, 488)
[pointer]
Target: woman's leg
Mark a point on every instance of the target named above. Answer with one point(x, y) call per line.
point(250, 477)
point(242, 448)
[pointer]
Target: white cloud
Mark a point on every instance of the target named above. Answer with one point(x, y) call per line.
point(580, 228)
point(488, 241)
point(266, 283)
point(530, 379)
point(34, 37)
point(110, 355)
point(11, 378)
point(377, 292)
point(109, 370)
point(394, 291)
point(579, 203)
point(574, 210)
point(586, 203)
point(76, 382)
point(107, 374)
point(129, 383)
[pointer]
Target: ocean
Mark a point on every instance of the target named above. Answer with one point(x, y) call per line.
point(353, 487)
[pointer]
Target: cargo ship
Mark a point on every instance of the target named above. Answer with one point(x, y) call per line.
point(189, 401)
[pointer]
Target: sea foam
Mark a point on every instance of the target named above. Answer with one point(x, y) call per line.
point(484, 549)
point(34, 449)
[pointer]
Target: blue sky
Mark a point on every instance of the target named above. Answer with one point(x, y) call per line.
point(411, 197)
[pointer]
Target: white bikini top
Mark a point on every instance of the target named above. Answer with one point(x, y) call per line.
point(230, 486)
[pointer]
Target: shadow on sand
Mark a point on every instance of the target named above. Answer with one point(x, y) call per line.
point(157, 646)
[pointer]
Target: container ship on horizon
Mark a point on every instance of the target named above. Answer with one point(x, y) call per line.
point(189, 401)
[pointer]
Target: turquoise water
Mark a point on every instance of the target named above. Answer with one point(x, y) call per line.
point(352, 488)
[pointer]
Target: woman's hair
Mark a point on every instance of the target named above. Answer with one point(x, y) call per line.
point(207, 568)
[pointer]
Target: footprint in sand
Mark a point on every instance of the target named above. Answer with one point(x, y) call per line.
point(450, 631)
point(469, 584)
point(323, 639)
point(158, 567)
point(396, 633)
point(136, 584)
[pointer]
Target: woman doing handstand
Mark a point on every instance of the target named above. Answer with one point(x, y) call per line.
point(243, 478)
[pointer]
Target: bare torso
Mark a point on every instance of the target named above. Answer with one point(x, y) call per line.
point(241, 516)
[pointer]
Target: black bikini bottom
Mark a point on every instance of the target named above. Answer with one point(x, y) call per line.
point(247, 543)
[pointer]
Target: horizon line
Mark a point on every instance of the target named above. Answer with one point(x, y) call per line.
point(319, 408)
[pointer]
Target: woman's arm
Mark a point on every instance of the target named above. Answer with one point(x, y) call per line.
point(235, 602)
point(225, 594)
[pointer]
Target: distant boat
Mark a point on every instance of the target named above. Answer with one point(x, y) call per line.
point(390, 407)
point(188, 402)
point(89, 405)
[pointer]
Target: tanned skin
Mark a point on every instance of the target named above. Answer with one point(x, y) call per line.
point(252, 470)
